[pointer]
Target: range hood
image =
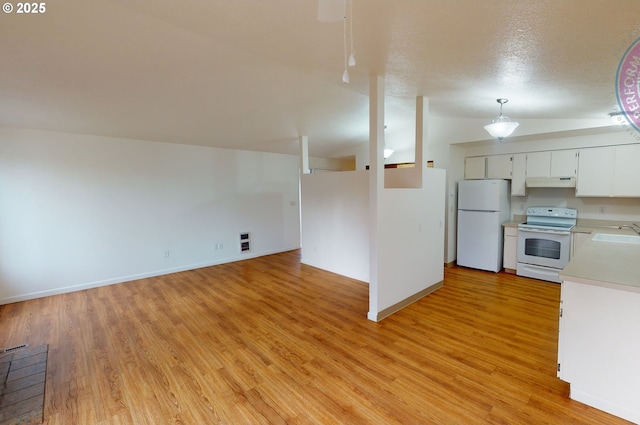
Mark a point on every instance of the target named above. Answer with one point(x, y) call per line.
point(550, 182)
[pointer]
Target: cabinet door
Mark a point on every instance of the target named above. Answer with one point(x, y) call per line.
point(561, 337)
point(475, 167)
point(510, 254)
point(499, 166)
point(595, 171)
point(518, 174)
point(626, 174)
point(538, 164)
point(564, 163)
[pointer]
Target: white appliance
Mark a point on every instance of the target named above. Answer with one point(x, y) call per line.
point(483, 207)
point(544, 242)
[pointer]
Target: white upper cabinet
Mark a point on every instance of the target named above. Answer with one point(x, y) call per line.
point(600, 172)
point(609, 171)
point(564, 163)
point(518, 174)
point(499, 166)
point(475, 167)
point(561, 163)
point(538, 164)
point(595, 176)
point(626, 171)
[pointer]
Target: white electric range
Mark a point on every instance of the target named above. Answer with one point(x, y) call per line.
point(544, 242)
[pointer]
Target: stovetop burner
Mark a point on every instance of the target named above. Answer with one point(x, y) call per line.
point(550, 218)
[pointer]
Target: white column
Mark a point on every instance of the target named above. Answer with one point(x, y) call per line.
point(304, 155)
point(376, 185)
point(422, 115)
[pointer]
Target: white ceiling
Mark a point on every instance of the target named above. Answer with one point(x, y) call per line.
point(257, 74)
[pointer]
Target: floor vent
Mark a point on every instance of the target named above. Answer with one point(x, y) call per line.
point(11, 349)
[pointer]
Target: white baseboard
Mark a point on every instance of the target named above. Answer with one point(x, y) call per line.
point(129, 278)
point(605, 405)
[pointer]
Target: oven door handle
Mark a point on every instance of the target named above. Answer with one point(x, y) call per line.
point(555, 232)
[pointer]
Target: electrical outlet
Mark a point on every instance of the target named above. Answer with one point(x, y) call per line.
point(166, 253)
point(602, 210)
point(216, 247)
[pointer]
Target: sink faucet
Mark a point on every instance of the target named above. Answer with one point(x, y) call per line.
point(626, 226)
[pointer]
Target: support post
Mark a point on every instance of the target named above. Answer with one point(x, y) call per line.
point(376, 185)
point(304, 154)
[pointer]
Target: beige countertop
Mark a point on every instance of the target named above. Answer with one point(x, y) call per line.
point(610, 264)
point(601, 226)
point(512, 223)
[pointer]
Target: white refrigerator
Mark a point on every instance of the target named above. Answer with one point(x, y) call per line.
point(483, 207)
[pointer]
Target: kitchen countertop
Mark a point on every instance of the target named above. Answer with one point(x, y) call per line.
point(598, 226)
point(609, 264)
point(512, 223)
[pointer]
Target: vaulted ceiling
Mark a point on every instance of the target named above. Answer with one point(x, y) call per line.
point(257, 74)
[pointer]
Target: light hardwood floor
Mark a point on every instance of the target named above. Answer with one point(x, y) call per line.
point(270, 341)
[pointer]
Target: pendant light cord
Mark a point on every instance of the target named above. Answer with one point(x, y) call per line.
point(352, 57)
point(345, 75)
point(349, 60)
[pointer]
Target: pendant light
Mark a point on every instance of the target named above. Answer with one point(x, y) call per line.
point(351, 61)
point(502, 126)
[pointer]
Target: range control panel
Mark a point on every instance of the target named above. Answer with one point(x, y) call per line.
point(552, 212)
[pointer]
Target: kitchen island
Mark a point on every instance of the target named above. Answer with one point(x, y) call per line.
point(599, 340)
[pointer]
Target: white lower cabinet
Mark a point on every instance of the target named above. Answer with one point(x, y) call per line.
point(599, 347)
point(510, 254)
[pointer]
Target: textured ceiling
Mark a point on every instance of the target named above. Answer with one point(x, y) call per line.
point(257, 74)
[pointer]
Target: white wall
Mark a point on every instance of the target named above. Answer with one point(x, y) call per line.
point(82, 211)
point(335, 229)
point(335, 222)
point(411, 240)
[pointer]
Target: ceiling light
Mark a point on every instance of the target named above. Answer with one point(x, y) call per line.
point(618, 118)
point(351, 61)
point(332, 11)
point(502, 126)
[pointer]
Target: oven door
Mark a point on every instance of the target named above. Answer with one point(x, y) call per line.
point(544, 247)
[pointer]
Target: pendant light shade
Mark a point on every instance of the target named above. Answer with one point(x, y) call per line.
point(502, 126)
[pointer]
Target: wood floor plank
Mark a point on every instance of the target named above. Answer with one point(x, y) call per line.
point(271, 341)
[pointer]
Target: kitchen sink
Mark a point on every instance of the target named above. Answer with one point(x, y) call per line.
point(608, 237)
